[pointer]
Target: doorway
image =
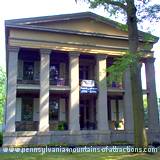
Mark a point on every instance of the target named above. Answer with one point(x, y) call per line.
point(87, 114)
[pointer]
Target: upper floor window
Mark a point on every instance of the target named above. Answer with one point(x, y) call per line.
point(28, 70)
point(84, 72)
point(28, 66)
point(54, 73)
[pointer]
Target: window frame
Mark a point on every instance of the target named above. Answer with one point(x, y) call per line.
point(24, 110)
point(58, 110)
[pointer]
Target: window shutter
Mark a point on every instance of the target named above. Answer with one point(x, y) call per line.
point(36, 70)
point(18, 109)
point(121, 110)
point(113, 110)
point(62, 110)
point(36, 109)
point(20, 70)
point(62, 72)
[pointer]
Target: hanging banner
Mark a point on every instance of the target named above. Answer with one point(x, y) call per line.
point(87, 83)
point(88, 86)
point(88, 90)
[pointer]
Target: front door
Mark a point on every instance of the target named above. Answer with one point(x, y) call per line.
point(84, 114)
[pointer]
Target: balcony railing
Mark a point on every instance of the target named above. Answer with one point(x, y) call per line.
point(56, 82)
point(59, 82)
point(116, 85)
point(28, 81)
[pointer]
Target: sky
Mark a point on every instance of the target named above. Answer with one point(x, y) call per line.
point(14, 9)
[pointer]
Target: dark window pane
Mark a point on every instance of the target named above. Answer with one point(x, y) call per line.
point(27, 109)
point(84, 72)
point(53, 109)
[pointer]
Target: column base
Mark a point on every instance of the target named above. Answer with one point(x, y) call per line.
point(153, 136)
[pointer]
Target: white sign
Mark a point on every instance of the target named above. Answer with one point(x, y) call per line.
point(87, 83)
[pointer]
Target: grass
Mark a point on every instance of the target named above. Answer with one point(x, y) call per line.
point(80, 156)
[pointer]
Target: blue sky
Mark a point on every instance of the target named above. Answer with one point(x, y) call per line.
point(32, 8)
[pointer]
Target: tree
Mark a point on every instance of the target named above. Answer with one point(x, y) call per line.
point(2, 93)
point(134, 11)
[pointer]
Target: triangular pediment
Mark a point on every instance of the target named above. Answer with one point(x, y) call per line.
point(80, 22)
point(84, 25)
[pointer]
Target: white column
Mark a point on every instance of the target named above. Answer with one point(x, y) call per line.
point(153, 118)
point(102, 110)
point(128, 107)
point(74, 92)
point(44, 90)
point(11, 88)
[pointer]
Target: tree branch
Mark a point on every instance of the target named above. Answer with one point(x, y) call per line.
point(116, 3)
point(109, 2)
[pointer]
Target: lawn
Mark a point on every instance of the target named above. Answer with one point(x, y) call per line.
point(80, 156)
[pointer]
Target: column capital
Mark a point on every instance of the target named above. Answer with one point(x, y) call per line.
point(149, 60)
point(74, 54)
point(13, 49)
point(101, 56)
point(45, 51)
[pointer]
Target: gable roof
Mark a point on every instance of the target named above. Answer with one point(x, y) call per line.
point(62, 17)
point(32, 24)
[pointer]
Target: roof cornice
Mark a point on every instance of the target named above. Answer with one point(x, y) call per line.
point(55, 30)
point(30, 23)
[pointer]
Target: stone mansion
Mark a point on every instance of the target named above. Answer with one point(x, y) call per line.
point(57, 90)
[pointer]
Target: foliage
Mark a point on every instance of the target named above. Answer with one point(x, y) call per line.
point(146, 9)
point(116, 71)
point(62, 126)
point(2, 92)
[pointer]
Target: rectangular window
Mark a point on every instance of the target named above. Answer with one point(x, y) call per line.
point(27, 109)
point(84, 72)
point(116, 112)
point(28, 70)
point(54, 110)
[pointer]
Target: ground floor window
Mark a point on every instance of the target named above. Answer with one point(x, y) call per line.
point(54, 109)
point(27, 109)
point(27, 112)
point(58, 112)
point(116, 112)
